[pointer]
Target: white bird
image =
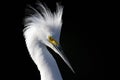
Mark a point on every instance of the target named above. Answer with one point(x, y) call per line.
point(41, 30)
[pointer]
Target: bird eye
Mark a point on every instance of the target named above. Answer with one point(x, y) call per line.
point(53, 41)
point(50, 38)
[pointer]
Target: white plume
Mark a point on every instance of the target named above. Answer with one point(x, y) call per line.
point(45, 20)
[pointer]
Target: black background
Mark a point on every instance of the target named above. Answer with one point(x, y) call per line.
point(81, 39)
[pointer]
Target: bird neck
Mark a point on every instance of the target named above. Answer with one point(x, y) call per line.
point(45, 62)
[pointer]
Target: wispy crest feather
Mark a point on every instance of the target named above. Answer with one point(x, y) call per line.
point(44, 18)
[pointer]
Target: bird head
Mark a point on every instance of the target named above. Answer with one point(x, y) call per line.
point(46, 27)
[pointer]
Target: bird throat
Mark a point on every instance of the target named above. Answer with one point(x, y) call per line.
point(46, 64)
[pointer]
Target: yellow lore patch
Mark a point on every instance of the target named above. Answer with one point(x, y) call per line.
point(53, 41)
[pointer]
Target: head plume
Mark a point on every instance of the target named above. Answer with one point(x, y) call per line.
point(44, 20)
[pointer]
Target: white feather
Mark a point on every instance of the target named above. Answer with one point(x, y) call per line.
point(46, 21)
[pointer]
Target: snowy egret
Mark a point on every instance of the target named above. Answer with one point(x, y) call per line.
point(43, 29)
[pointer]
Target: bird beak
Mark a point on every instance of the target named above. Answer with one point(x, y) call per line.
point(62, 55)
point(58, 49)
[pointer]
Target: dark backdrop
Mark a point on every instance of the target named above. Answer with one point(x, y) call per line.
point(81, 39)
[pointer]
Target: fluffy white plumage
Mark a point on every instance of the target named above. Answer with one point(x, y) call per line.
point(39, 27)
